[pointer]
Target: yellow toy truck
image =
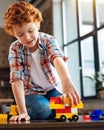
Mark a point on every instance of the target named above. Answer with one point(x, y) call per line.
point(62, 111)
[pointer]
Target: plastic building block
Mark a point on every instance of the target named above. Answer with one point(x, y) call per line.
point(64, 111)
point(97, 115)
point(13, 110)
point(86, 117)
point(5, 117)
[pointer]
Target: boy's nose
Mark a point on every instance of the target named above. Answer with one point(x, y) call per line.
point(27, 36)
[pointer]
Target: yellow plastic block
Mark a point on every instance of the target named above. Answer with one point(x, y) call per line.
point(56, 106)
point(53, 105)
point(67, 115)
point(3, 117)
point(67, 101)
point(80, 105)
point(13, 110)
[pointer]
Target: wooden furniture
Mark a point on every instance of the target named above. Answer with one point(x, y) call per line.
point(53, 125)
point(4, 100)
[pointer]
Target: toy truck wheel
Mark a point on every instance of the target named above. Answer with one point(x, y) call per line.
point(75, 117)
point(53, 113)
point(63, 118)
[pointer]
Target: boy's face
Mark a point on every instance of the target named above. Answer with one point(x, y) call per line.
point(27, 34)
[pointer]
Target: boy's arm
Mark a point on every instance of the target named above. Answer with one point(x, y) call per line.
point(18, 92)
point(68, 87)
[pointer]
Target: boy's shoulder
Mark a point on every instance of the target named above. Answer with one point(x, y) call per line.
point(45, 35)
point(16, 45)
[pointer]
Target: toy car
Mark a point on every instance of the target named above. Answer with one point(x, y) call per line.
point(62, 111)
point(97, 115)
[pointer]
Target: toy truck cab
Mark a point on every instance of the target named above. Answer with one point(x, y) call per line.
point(64, 111)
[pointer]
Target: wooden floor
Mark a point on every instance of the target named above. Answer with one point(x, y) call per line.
point(54, 125)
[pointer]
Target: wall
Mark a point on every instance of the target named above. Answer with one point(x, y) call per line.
point(5, 4)
point(47, 23)
point(5, 41)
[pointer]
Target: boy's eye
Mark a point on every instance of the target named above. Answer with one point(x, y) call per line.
point(30, 31)
point(20, 35)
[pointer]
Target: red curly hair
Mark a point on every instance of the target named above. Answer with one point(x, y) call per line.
point(19, 13)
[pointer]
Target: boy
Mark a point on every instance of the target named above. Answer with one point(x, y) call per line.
point(37, 65)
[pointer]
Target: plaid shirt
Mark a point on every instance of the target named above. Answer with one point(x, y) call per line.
point(20, 61)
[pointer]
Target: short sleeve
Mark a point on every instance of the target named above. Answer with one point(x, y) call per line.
point(54, 50)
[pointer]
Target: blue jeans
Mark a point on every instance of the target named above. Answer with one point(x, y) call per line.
point(38, 105)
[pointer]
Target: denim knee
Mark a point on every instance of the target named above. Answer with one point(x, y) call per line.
point(37, 107)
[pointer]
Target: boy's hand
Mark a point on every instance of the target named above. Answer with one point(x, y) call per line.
point(69, 90)
point(20, 117)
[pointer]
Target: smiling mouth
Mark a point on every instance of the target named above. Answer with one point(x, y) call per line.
point(29, 42)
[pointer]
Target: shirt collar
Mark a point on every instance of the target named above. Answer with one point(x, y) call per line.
point(41, 44)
